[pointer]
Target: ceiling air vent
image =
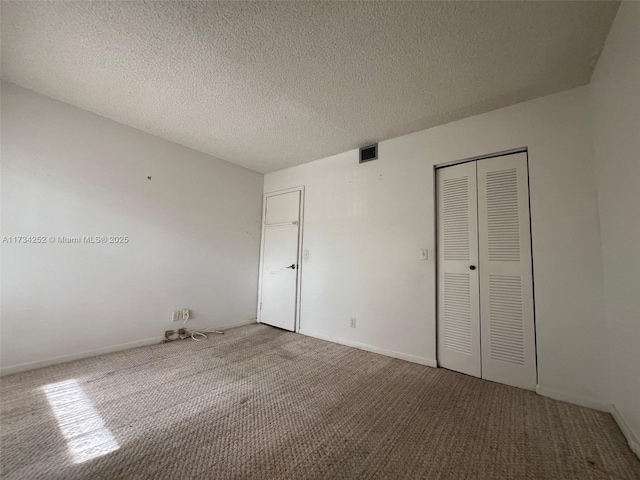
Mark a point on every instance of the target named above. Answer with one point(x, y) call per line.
point(369, 153)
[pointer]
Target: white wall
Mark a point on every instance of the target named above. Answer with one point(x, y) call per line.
point(194, 233)
point(364, 226)
point(616, 131)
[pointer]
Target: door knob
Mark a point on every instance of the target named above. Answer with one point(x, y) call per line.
point(472, 267)
point(292, 266)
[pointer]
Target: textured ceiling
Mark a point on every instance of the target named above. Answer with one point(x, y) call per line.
point(270, 85)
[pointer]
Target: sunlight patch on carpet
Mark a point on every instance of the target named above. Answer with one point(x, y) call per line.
point(80, 423)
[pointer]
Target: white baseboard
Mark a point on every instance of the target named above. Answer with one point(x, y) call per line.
point(238, 324)
point(23, 367)
point(370, 348)
point(572, 398)
point(632, 438)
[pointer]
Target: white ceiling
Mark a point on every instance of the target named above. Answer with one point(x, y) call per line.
point(270, 85)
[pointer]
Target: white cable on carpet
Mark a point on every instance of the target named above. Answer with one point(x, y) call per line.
point(201, 332)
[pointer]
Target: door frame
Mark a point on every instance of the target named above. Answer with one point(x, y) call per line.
point(299, 258)
point(438, 166)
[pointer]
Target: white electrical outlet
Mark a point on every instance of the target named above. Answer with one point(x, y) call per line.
point(424, 254)
point(353, 322)
point(185, 314)
point(176, 315)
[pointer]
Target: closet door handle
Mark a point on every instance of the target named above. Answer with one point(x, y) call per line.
point(472, 267)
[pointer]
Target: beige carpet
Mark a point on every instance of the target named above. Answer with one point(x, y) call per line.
point(261, 403)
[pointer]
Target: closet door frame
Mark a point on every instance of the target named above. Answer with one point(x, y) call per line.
point(436, 236)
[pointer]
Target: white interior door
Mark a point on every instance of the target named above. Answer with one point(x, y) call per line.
point(278, 298)
point(506, 277)
point(458, 293)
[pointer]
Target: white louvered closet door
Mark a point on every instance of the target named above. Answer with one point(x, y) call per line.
point(506, 281)
point(458, 308)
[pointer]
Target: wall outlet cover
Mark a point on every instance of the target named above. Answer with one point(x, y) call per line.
point(176, 315)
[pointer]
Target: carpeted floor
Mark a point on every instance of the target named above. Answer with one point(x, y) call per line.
point(261, 403)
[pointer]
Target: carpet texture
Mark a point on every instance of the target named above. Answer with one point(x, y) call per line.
point(261, 403)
